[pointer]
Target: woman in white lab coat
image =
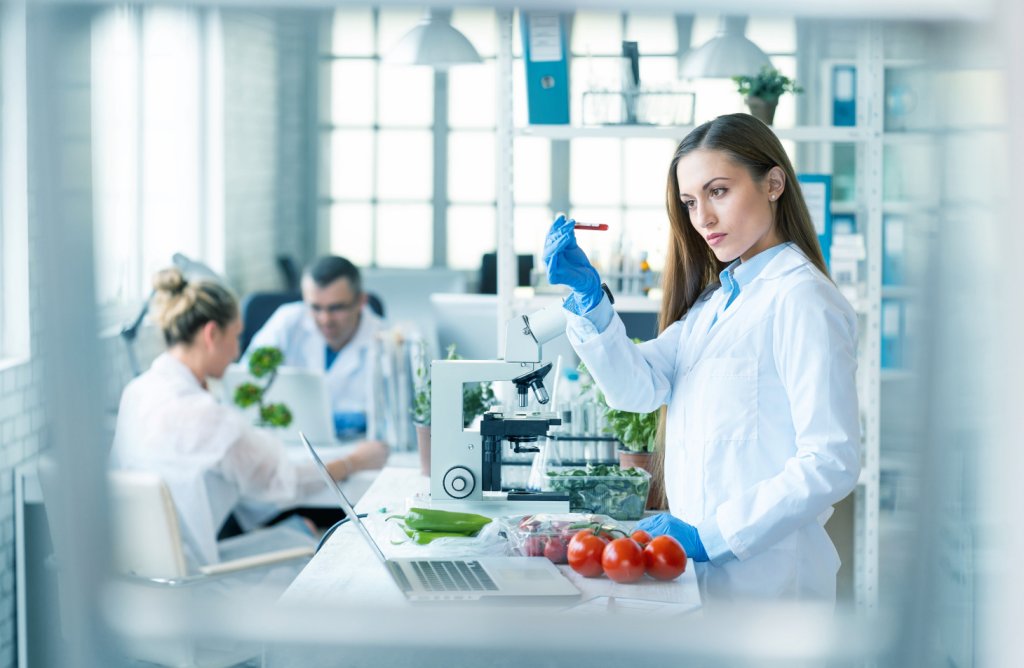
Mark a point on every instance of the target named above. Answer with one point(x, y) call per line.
point(755, 362)
point(207, 453)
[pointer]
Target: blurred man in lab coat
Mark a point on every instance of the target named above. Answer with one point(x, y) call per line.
point(211, 458)
point(331, 330)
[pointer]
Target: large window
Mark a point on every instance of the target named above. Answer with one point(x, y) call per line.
point(622, 181)
point(380, 143)
point(147, 106)
point(382, 139)
point(14, 285)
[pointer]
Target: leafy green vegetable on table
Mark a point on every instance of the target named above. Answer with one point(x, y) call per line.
point(604, 489)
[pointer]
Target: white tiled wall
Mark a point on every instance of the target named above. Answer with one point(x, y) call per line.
point(21, 424)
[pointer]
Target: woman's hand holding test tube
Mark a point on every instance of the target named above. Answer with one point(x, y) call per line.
point(568, 265)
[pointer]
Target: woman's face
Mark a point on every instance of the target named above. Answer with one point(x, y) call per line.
point(224, 347)
point(734, 214)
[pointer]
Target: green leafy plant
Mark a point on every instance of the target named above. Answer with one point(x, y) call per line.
point(476, 397)
point(636, 431)
point(263, 363)
point(769, 84)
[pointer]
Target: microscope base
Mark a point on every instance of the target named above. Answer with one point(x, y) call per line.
point(496, 504)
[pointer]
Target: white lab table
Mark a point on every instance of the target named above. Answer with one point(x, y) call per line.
point(346, 570)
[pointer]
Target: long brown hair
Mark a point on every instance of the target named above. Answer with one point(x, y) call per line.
point(690, 265)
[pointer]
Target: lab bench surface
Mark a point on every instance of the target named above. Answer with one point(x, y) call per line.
point(346, 570)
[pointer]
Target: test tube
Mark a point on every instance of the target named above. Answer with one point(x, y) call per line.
point(596, 227)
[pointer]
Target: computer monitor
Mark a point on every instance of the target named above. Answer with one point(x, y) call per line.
point(471, 323)
point(489, 272)
point(468, 321)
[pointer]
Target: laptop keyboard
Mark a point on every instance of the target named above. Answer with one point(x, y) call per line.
point(453, 576)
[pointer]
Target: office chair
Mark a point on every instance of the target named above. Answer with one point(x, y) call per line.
point(257, 307)
point(375, 304)
point(147, 551)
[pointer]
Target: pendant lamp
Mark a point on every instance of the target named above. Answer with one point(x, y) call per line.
point(433, 42)
point(729, 53)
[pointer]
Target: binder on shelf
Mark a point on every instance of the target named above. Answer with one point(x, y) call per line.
point(847, 252)
point(545, 52)
point(844, 95)
point(843, 223)
point(893, 340)
point(817, 190)
point(893, 250)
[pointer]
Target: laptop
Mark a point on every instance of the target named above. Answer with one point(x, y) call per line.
point(303, 391)
point(450, 579)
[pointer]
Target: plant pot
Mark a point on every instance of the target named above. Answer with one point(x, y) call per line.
point(423, 443)
point(645, 461)
point(761, 109)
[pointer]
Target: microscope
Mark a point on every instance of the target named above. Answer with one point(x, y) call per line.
point(465, 464)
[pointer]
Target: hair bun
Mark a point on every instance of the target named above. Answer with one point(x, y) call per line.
point(170, 280)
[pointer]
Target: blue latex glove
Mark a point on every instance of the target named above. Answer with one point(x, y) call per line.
point(568, 265)
point(686, 534)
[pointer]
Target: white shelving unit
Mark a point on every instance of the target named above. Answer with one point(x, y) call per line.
point(869, 138)
point(815, 133)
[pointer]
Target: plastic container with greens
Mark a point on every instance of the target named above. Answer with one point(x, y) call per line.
point(603, 490)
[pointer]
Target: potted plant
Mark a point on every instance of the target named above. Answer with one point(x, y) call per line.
point(263, 363)
point(761, 92)
point(476, 399)
point(636, 432)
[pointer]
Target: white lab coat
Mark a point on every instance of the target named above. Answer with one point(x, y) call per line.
point(207, 453)
point(291, 328)
point(763, 432)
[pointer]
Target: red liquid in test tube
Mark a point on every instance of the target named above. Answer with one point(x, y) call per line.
point(596, 227)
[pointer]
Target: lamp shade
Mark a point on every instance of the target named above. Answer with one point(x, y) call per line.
point(194, 270)
point(729, 53)
point(433, 42)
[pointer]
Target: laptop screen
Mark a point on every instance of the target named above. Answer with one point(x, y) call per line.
point(303, 391)
point(346, 505)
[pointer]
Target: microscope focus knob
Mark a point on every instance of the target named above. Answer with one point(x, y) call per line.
point(459, 482)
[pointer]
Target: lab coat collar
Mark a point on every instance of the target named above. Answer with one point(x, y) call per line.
point(788, 259)
point(350, 356)
point(168, 365)
point(368, 325)
point(740, 273)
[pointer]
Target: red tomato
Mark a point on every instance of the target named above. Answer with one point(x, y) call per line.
point(555, 550)
point(534, 546)
point(641, 537)
point(664, 558)
point(584, 553)
point(623, 560)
